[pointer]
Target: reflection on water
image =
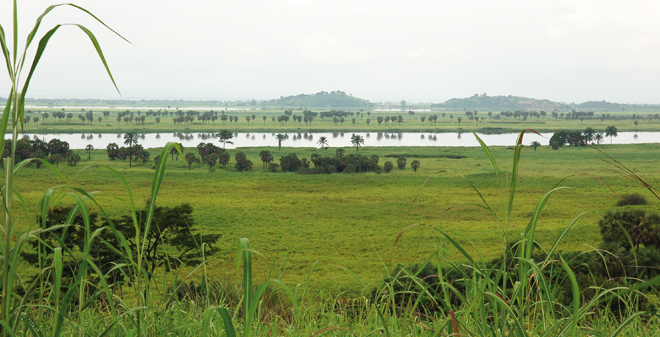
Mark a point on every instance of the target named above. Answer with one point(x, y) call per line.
point(335, 139)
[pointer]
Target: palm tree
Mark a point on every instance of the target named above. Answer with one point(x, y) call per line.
point(190, 159)
point(535, 144)
point(323, 142)
point(131, 140)
point(280, 137)
point(611, 131)
point(415, 165)
point(357, 141)
point(598, 138)
point(225, 136)
point(266, 157)
point(589, 134)
point(89, 149)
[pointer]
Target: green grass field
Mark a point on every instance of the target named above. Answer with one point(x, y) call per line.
point(443, 124)
point(352, 220)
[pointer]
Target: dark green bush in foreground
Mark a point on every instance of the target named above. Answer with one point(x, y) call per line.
point(632, 200)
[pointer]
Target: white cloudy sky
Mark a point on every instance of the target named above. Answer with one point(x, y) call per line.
point(569, 51)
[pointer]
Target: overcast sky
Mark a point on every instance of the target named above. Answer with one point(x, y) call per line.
point(569, 51)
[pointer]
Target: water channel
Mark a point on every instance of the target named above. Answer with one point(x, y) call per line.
point(151, 140)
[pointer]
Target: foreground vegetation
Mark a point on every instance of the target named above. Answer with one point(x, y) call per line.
point(346, 220)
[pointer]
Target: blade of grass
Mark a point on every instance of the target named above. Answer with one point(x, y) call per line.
point(576, 296)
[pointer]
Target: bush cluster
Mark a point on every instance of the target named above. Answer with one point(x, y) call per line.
point(55, 151)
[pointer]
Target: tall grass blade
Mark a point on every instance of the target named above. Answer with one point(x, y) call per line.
point(576, 296)
point(37, 23)
point(245, 255)
point(561, 237)
point(348, 271)
point(531, 227)
point(625, 323)
point(512, 314)
point(206, 321)
point(457, 246)
point(5, 52)
point(309, 276)
point(382, 319)
point(4, 122)
point(292, 296)
point(229, 326)
point(57, 279)
point(6, 329)
point(489, 154)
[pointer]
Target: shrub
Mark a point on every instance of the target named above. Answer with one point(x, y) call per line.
point(73, 159)
point(617, 257)
point(571, 138)
point(352, 163)
point(401, 163)
point(290, 163)
point(642, 227)
point(245, 165)
point(242, 163)
point(388, 166)
point(632, 199)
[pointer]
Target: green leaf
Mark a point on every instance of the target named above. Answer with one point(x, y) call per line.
point(458, 246)
point(229, 326)
point(352, 274)
point(625, 323)
point(5, 52)
point(513, 316)
point(576, 295)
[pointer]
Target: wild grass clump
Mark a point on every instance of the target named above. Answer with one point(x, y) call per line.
point(633, 199)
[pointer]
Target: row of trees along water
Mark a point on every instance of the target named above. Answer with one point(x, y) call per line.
point(338, 117)
point(56, 151)
point(580, 138)
point(210, 155)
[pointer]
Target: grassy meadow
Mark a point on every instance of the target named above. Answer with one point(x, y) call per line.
point(353, 220)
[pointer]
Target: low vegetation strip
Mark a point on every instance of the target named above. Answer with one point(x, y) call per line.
point(415, 155)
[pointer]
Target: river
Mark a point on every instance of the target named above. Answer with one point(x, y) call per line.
point(151, 140)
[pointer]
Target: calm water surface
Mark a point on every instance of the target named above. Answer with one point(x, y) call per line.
point(150, 140)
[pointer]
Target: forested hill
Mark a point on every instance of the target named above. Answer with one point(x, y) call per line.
point(334, 99)
point(500, 103)
point(602, 105)
point(513, 103)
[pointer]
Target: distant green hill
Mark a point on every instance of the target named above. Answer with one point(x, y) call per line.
point(602, 106)
point(500, 103)
point(334, 99)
